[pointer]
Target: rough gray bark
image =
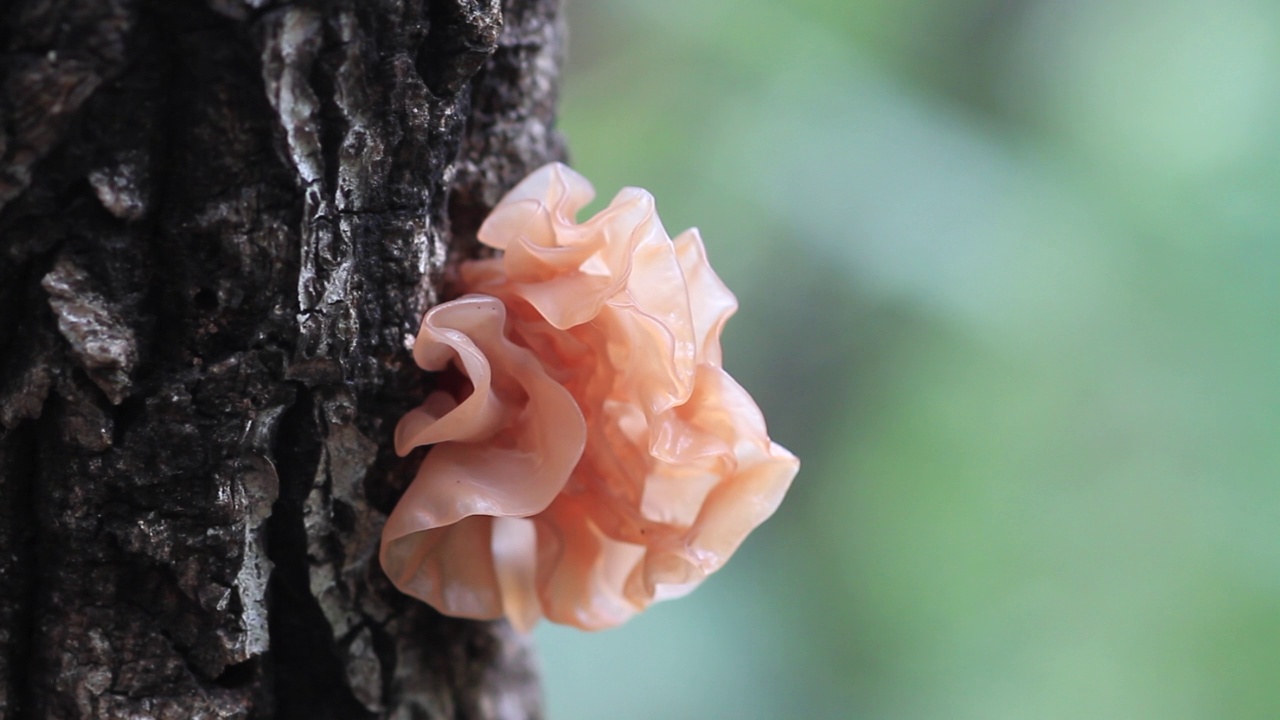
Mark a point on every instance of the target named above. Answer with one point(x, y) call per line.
point(219, 220)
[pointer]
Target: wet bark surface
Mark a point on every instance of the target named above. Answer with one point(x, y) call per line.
point(219, 222)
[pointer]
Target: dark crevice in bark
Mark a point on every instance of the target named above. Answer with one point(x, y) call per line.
point(456, 46)
point(164, 157)
point(240, 675)
point(332, 123)
point(309, 681)
point(18, 470)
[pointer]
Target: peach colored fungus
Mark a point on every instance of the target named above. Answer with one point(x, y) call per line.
point(597, 458)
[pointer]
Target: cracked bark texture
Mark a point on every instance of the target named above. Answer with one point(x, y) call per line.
point(219, 222)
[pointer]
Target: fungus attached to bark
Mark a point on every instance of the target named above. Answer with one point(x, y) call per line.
point(594, 457)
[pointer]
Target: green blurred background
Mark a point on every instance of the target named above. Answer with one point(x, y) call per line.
point(1010, 285)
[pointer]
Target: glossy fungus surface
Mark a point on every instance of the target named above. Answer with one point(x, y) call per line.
point(591, 455)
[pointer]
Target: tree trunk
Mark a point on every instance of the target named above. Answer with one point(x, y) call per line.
point(219, 222)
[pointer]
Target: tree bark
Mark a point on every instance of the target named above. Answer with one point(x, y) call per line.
point(219, 222)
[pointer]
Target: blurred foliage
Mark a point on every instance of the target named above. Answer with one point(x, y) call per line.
point(1009, 284)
